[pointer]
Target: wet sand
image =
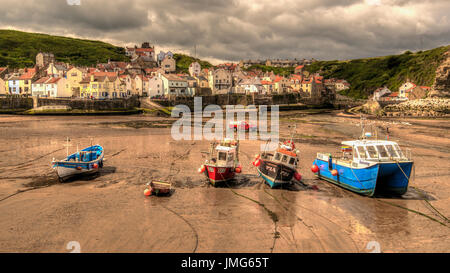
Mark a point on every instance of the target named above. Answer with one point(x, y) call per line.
point(109, 213)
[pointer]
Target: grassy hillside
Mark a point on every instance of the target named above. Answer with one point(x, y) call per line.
point(284, 71)
point(183, 62)
point(19, 49)
point(365, 75)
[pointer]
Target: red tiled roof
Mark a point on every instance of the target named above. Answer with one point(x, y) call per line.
point(266, 82)
point(42, 80)
point(144, 49)
point(53, 80)
point(425, 87)
point(300, 67)
point(28, 75)
point(394, 94)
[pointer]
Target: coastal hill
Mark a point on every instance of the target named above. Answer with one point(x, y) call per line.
point(18, 49)
point(366, 75)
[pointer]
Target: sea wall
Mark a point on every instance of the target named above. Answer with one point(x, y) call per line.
point(20, 103)
point(437, 107)
point(15, 103)
point(92, 105)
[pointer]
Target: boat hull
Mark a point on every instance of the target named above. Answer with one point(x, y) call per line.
point(386, 177)
point(219, 175)
point(276, 175)
point(64, 172)
point(73, 166)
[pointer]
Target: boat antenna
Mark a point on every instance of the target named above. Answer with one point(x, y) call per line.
point(67, 146)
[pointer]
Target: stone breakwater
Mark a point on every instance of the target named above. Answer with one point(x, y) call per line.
point(419, 108)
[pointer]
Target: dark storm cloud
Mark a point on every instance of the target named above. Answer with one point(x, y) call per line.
point(236, 29)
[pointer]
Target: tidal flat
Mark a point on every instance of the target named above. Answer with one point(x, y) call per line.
point(108, 212)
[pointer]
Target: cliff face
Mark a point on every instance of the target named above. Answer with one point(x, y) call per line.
point(441, 87)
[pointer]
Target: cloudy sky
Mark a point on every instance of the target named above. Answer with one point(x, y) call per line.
point(242, 29)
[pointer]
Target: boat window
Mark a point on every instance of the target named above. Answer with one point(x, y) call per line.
point(398, 150)
point(230, 157)
point(372, 151)
point(277, 156)
point(391, 151)
point(292, 161)
point(362, 152)
point(382, 151)
point(284, 160)
point(222, 156)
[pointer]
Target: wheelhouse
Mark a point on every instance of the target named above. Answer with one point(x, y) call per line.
point(374, 150)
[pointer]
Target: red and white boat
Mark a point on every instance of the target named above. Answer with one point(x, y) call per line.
point(223, 162)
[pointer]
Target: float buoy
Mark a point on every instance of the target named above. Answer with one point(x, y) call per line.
point(238, 170)
point(257, 163)
point(334, 172)
point(147, 192)
point(95, 166)
point(79, 168)
point(315, 168)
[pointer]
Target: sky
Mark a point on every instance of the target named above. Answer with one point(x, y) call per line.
point(231, 30)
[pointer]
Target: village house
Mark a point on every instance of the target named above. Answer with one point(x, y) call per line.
point(249, 86)
point(195, 69)
point(162, 55)
point(342, 85)
point(381, 93)
point(74, 77)
point(13, 85)
point(156, 87)
point(220, 80)
point(56, 70)
point(56, 88)
point(281, 84)
point(299, 69)
point(267, 86)
point(296, 83)
point(169, 64)
point(2, 87)
point(43, 59)
point(174, 85)
point(38, 88)
point(50, 87)
point(405, 88)
point(29, 75)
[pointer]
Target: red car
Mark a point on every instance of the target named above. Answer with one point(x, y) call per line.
point(242, 125)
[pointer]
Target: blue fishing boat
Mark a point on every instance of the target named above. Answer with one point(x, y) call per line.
point(86, 161)
point(367, 166)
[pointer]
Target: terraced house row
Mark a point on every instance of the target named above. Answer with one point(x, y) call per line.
point(155, 76)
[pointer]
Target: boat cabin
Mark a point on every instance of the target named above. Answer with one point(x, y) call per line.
point(282, 156)
point(373, 150)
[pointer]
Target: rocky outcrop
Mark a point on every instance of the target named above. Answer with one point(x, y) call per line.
point(441, 86)
point(437, 107)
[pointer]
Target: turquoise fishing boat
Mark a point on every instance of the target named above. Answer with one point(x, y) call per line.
point(86, 161)
point(367, 166)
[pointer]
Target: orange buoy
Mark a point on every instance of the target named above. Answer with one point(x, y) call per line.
point(315, 168)
point(238, 170)
point(202, 169)
point(79, 168)
point(298, 176)
point(257, 163)
point(334, 172)
point(95, 166)
point(147, 192)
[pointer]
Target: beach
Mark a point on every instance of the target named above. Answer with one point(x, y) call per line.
point(108, 212)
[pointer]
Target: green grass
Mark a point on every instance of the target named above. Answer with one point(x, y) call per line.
point(19, 49)
point(183, 62)
point(366, 75)
point(283, 71)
